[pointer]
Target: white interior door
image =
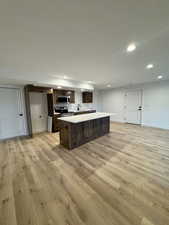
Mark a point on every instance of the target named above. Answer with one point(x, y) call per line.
point(133, 107)
point(39, 114)
point(11, 113)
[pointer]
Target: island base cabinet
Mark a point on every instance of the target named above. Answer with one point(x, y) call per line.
point(73, 135)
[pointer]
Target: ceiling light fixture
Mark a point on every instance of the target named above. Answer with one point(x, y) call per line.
point(108, 85)
point(131, 47)
point(59, 87)
point(149, 66)
point(160, 77)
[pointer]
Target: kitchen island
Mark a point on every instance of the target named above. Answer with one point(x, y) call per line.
point(80, 129)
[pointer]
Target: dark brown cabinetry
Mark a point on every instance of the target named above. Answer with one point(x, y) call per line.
point(55, 123)
point(87, 97)
point(50, 104)
point(73, 135)
point(83, 112)
point(58, 93)
point(52, 99)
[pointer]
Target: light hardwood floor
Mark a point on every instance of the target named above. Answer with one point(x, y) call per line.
point(119, 179)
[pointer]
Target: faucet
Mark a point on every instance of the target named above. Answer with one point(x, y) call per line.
point(78, 107)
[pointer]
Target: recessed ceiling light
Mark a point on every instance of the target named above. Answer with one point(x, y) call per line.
point(90, 82)
point(59, 87)
point(149, 66)
point(108, 85)
point(160, 77)
point(65, 77)
point(131, 47)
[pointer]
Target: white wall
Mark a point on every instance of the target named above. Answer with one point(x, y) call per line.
point(113, 101)
point(155, 99)
point(156, 105)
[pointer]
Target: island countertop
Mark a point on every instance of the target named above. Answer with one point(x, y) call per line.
point(85, 117)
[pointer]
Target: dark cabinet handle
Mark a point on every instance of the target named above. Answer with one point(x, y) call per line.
point(20, 114)
point(139, 108)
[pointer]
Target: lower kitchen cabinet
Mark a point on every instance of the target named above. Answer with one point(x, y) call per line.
point(55, 123)
point(84, 112)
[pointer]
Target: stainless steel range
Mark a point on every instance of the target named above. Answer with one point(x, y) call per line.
point(63, 110)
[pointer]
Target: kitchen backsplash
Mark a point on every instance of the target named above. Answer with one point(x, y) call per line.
point(73, 107)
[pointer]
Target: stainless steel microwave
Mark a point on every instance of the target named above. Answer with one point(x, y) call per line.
point(63, 99)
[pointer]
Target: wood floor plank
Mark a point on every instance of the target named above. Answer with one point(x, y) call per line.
point(119, 179)
point(7, 204)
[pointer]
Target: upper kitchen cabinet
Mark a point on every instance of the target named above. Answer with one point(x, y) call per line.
point(71, 94)
point(59, 93)
point(87, 97)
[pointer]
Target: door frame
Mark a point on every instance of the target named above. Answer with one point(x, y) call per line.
point(141, 103)
point(44, 114)
point(31, 88)
point(21, 105)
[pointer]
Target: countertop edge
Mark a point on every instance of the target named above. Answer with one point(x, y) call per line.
point(85, 119)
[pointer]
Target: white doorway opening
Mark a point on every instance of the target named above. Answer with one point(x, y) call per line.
point(39, 112)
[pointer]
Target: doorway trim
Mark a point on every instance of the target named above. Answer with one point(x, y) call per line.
point(21, 104)
point(31, 88)
point(141, 104)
